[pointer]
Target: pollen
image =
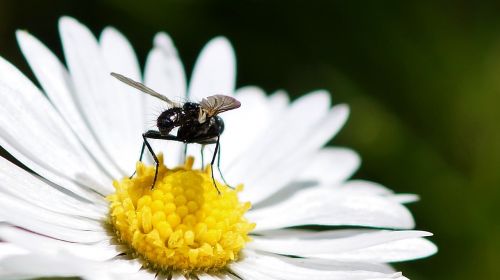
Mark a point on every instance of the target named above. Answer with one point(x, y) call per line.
point(183, 223)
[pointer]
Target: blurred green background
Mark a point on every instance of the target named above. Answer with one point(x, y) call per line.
point(422, 79)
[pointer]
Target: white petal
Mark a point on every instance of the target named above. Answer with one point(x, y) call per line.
point(122, 264)
point(250, 271)
point(217, 276)
point(139, 275)
point(337, 243)
point(241, 131)
point(243, 127)
point(119, 54)
point(317, 136)
point(293, 161)
point(280, 267)
point(326, 128)
point(106, 107)
point(64, 265)
point(367, 187)
point(405, 198)
point(397, 251)
point(279, 101)
point(58, 86)
point(164, 71)
point(43, 245)
point(120, 58)
point(32, 266)
point(324, 206)
point(34, 133)
point(214, 71)
point(331, 166)
point(7, 249)
point(328, 168)
point(165, 74)
point(283, 134)
point(18, 183)
point(17, 213)
point(328, 264)
point(15, 206)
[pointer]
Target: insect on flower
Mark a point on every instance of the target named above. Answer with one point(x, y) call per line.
point(196, 122)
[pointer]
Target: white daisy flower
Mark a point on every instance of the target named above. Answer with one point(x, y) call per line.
point(66, 216)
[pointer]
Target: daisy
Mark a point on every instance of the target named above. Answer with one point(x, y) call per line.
point(74, 212)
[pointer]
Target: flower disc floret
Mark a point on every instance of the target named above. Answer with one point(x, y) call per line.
point(183, 223)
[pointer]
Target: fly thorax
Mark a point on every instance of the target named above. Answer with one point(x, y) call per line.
point(191, 111)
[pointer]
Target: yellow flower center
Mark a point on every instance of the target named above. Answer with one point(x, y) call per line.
point(182, 223)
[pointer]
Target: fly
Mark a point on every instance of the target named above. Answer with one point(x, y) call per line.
point(196, 122)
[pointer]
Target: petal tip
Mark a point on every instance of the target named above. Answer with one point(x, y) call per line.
point(221, 44)
point(342, 110)
point(22, 36)
point(109, 31)
point(67, 20)
point(220, 40)
point(322, 96)
point(162, 39)
point(164, 42)
point(22, 33)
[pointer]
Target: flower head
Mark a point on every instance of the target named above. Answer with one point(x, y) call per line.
point(184, 223)
point(76, 212)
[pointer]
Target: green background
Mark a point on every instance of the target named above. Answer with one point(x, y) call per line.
point(422, 79)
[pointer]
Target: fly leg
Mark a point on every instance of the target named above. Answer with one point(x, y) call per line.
point(153, 134)
point(140, 158)
point(202, 157)
point(145, 137)
point(185, 152)
point(218, 168)
point(212, 163)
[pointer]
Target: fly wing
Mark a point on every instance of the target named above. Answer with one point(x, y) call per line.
point(144, 88)
point(219, 103)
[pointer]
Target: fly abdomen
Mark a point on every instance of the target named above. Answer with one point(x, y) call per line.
point(169, 119)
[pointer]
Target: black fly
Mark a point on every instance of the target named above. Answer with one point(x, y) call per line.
point(197, 122)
